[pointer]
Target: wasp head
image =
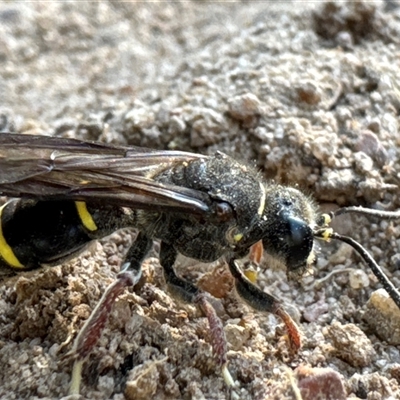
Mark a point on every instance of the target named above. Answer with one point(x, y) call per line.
point(287, 222)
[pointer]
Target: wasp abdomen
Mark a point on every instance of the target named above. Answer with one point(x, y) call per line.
point(36, 232)
point(39, 232)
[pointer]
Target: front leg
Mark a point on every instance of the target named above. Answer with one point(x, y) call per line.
point(264, 302)
point(189, 293)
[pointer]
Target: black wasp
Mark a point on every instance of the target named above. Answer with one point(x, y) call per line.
point(68, 192)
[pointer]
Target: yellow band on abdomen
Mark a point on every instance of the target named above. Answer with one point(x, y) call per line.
point(6, 252)
point(84, 215)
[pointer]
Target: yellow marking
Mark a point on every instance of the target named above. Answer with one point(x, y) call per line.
point(84, 215)
point(74, 386)
point(227, 376)
point(262, 200)
point(327, 234)
point(238, 237)
point(6, 252)
point(311, 258)
point(251, 275)
point(327, 219)
point(233, 236)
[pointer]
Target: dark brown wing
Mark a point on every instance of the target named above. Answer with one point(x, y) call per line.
point(45, 168)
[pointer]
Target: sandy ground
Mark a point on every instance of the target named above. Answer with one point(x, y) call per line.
point(308, 92)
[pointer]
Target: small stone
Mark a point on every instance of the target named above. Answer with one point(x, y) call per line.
point(320, 383)
point(351, 344)
point(358, 279)
point(383, 316)
point(309, 93)
point(246, 108)
point(142, 382)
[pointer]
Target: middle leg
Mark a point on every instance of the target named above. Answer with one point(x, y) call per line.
point(189, 293)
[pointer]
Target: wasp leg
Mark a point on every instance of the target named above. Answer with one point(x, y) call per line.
point(189, 293)
point(90, 333)
point(262, 301)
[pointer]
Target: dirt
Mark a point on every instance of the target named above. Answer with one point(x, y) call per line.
point(308, 94)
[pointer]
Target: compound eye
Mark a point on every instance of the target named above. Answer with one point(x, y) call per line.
point(291, 240)
point(300, 242)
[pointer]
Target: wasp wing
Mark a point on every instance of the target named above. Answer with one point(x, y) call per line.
point(47, 168)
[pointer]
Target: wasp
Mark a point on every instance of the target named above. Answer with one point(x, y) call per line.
point(66, 193)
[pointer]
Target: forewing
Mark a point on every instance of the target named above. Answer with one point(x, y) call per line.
point(46, 168)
